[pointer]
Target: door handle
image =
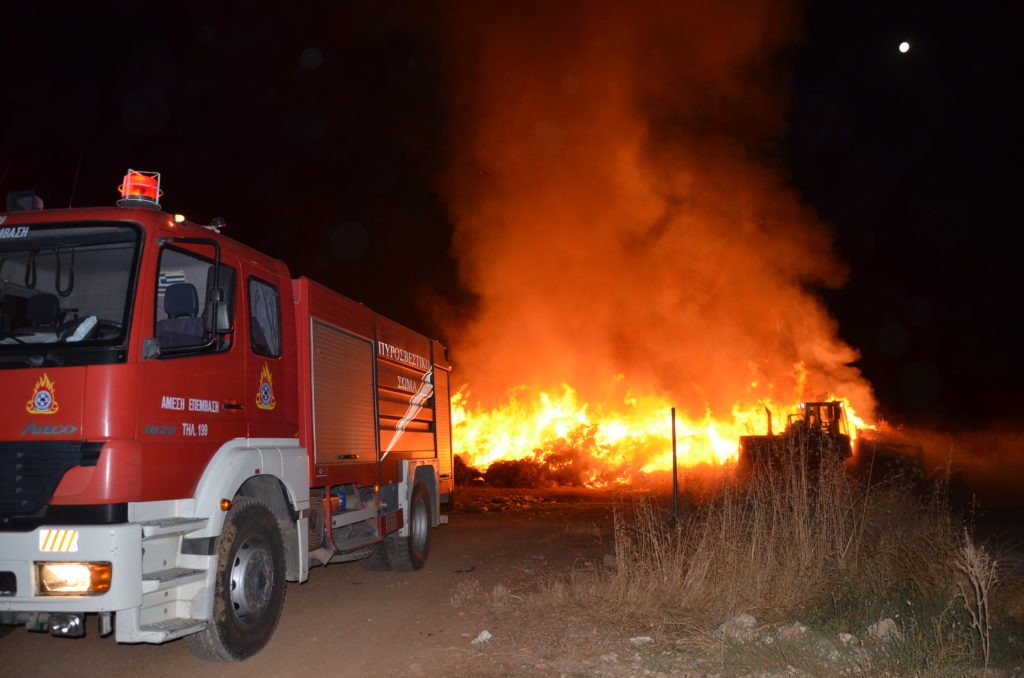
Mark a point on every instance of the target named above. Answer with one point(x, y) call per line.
point(233, 406)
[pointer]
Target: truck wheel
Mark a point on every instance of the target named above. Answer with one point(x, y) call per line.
point(249, 594)
point(410, 553)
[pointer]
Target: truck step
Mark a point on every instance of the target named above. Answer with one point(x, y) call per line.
point(351, 516)
point(169, 629)
point(169, 578)
point(166, 527)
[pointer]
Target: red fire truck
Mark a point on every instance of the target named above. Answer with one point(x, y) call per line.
point(185, 427)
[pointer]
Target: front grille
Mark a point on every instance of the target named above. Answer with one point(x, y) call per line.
point(30, 472)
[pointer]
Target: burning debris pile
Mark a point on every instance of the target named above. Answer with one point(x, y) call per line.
point(630, 241)
point(567, 468)
point(561, 441)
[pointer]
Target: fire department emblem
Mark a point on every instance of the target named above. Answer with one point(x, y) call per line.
point(265, 395)
point(44, 400)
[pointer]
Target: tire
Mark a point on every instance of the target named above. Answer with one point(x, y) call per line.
point(249, 593)
point(408, 554)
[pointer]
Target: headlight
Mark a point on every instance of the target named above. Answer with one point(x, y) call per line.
point(72, 579)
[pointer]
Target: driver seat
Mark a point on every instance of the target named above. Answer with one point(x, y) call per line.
point(183, 326)
point(43, 311)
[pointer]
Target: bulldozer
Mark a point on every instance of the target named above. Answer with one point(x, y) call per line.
point(816, 435)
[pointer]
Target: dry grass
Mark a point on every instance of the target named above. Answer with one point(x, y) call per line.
point(982, 573)
point(796, 542)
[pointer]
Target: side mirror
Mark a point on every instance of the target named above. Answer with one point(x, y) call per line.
point(219, 320)
point(150, 348)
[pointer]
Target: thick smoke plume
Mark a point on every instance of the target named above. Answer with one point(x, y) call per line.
point(618, 210)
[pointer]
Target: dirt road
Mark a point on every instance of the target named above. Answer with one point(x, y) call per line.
point(347, 621)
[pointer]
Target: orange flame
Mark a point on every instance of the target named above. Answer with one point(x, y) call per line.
point(616, 210)
point(609, 443)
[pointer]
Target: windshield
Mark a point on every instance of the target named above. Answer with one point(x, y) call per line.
point(66, 285)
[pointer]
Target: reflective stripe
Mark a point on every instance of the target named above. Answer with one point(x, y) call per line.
point(58, 540)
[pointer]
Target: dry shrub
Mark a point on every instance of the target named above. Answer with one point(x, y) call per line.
point(465, 591)
point(982, 573)
point(471, 592)
point(801, 540)
point(770, 545)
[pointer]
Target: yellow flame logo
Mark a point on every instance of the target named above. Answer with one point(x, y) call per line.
point(265, 395)
point(44, 398)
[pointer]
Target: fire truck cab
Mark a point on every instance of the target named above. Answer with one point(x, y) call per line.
point(185, 427)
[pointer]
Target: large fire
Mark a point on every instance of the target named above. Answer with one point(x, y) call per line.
point(620, 208)
point(607, 444)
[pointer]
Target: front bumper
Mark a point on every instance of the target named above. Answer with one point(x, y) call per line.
point(120, 545)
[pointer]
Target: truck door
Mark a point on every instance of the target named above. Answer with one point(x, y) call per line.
point(192, 391)
point(270, 361)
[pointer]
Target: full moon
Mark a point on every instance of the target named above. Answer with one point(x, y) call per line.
point(904, 47)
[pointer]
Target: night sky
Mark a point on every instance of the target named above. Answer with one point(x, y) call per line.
point(914, 160)
point(321, 135)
